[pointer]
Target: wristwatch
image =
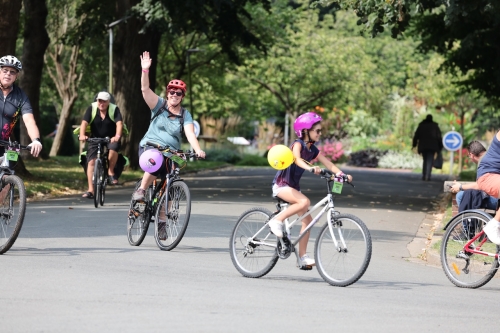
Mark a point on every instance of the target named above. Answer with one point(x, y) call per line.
point(37, 139)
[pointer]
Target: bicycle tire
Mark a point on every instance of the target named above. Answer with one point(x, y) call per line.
point(179, 203)
point(250, 259)
point(342, 267)
point(462, 269)
point(96, 181)
point(137, 226)
point(104, 183)
point(10, 220)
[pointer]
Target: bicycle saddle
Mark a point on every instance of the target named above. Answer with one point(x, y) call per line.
point(280, 201)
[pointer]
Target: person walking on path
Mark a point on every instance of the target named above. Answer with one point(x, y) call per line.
point(428, 141)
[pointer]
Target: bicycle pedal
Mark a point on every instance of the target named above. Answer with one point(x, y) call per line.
point(306, 267)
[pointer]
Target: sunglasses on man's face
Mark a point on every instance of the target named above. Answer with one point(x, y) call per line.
point(178, 93)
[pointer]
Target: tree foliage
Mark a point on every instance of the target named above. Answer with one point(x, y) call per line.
point(466, 33)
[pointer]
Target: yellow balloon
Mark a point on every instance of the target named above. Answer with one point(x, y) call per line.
point(280, 157)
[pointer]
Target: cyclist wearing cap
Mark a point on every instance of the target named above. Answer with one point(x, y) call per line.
point(15, 103)
point(286, 182)
point(102, 125)
point(168, 122)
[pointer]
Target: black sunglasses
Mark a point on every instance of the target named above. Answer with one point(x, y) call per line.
point(178, 93)
point(318, 131)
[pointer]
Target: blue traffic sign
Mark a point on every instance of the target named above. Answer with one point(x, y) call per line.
point(452, 141)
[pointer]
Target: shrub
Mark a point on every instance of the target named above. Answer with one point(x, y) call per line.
point(400, 160)
point(331, 150)
point(366, 158)
point(223, 155)
point(253, 160)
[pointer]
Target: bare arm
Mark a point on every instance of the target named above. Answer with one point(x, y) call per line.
point(330, 166)
point(33, 132)
point(149, 96)
point(119, 129)
point(191, 137)
point(83, 127)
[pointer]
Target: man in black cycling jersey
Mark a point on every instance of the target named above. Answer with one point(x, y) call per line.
point(14, 104)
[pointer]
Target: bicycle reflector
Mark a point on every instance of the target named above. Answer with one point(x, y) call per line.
point(151, 160)
point(280, 157)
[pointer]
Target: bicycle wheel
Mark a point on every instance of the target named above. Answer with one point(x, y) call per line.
point(252, 246)
point(170, 227)
point(104, 183)
point(344, 264)
point(462, 268)
point(12, 209)
point(138, 220)
point(97, 182)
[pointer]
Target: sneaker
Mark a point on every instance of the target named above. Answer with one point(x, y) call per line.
point(306, 261)
point(492, 230)
point(162, 230)
point(139, 194)
point(276, 227)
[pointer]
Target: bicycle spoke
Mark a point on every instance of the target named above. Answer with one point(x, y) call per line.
point(463, 268)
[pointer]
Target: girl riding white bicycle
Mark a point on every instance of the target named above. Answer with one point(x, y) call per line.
point(286, 182)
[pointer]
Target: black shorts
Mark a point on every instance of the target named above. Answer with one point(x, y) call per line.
point(92, 149)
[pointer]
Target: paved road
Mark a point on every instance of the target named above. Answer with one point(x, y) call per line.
point(72, 269)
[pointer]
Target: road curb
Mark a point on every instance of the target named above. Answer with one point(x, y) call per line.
point(420, 248)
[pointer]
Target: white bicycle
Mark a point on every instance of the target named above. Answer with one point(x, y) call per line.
point(342, 250)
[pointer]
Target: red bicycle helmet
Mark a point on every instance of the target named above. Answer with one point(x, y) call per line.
point(177, 84)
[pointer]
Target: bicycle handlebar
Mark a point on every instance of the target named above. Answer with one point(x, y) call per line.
point(13, 144)
point(330, 176)
point(99, 140)
point(187, 153)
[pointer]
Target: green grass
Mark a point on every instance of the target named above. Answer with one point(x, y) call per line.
point(63, 175)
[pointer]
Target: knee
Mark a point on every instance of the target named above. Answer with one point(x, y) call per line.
point(304, 203)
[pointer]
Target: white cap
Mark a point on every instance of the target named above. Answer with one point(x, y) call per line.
point(103, 96)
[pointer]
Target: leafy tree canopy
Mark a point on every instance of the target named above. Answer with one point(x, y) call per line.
point(466, 33)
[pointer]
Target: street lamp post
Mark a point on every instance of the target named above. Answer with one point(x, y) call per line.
point(188, 53)
point(110, 30)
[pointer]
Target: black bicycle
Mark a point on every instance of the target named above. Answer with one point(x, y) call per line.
point(12, 196)
point(167, 203)
point(100, 177)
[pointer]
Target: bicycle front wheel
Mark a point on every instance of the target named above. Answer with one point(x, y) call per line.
point(344, 262)
point(464, 269)
point(97, 182)
point(252, 246)
point(12, 209)
point(172, 216)
point(104, 182)
point(138, 220)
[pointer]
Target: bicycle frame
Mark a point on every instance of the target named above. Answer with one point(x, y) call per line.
point(327, 201)
point(470, 248)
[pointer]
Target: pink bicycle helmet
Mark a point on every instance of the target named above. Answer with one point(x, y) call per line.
point(305, 121)
point(151, 160)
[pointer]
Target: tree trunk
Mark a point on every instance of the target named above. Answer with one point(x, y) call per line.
point(68, 103)
point(9, 26)
point(66, 80)
point(128, 46)
point(36, 41)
